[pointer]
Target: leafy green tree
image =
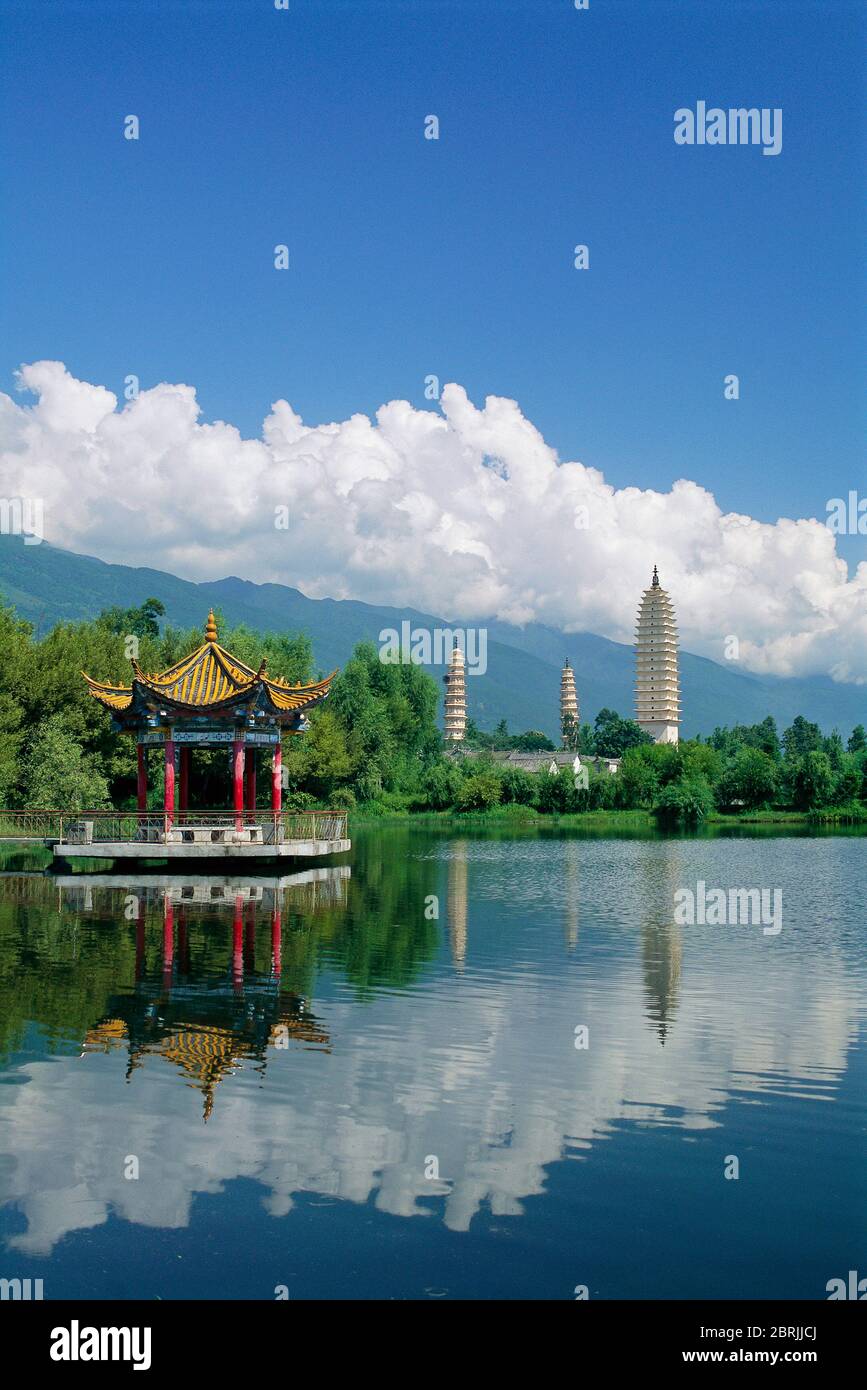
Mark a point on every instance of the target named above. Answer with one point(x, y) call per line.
point(326, 762)
point(768, 740)
point(58, 774)
point(479, 792)
point(700, 760)
point(763, 736)
point(441, 784)
point(833, 746)
point(669, 760)
point(388, 715)
point(137, 622)
point(16, 678)
point(517, 786)
point(751, 779)
point(474, 737)
point(857, 740)
point(847, 783)
point(531, 741)
point(801, 738)
point(689, 800)
point(586, 740)
point(601, 792)
point(553, 790)
point(613, 735)
point(813, 781)
point(637, 780)
point(11, 737)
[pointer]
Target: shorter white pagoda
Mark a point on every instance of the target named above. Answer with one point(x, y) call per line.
point(568, 706)
point(456, 698)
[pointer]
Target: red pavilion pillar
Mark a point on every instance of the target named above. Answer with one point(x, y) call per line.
point(168, 937)
point(238, 781)
point(170, 781)
point(184, 799)
point(277, 778)
point(238, 942)
point(142, 780)
point(250, 760)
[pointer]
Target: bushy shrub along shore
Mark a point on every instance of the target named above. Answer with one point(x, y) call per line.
point(375, 745)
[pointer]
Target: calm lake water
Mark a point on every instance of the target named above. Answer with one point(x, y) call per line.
point(323, 1085)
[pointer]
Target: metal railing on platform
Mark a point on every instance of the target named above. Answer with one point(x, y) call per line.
point(118, 827)
point(31, 825)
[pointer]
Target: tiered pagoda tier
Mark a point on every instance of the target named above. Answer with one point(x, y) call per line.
point(568, 705)
point(455, 698)
point(657, 687)
point(209, 698)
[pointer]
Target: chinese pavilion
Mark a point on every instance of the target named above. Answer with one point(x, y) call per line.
point(209, 699)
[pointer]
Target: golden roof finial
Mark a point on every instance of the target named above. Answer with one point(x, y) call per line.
point(211, 628)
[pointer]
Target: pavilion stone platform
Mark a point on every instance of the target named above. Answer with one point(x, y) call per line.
point(209, 699)
point(188, 843)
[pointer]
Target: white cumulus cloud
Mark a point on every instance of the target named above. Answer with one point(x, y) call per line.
point(466, 512)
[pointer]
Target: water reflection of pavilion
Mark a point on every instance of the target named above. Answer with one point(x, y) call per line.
point(210, 1010)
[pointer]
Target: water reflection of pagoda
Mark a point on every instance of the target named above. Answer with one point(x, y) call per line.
point(205, 1009)
point(661, 941)
point(456, 903)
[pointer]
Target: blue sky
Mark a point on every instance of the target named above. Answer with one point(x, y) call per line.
point(453, 257)
point(411, 258)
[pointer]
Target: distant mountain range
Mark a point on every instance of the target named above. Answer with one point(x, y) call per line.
point(522, 682)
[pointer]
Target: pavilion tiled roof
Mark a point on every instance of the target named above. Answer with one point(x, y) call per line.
point(209, 679)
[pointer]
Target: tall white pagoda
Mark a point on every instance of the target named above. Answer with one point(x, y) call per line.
point(568, 706)
point(455, 698)
point(657, 688)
